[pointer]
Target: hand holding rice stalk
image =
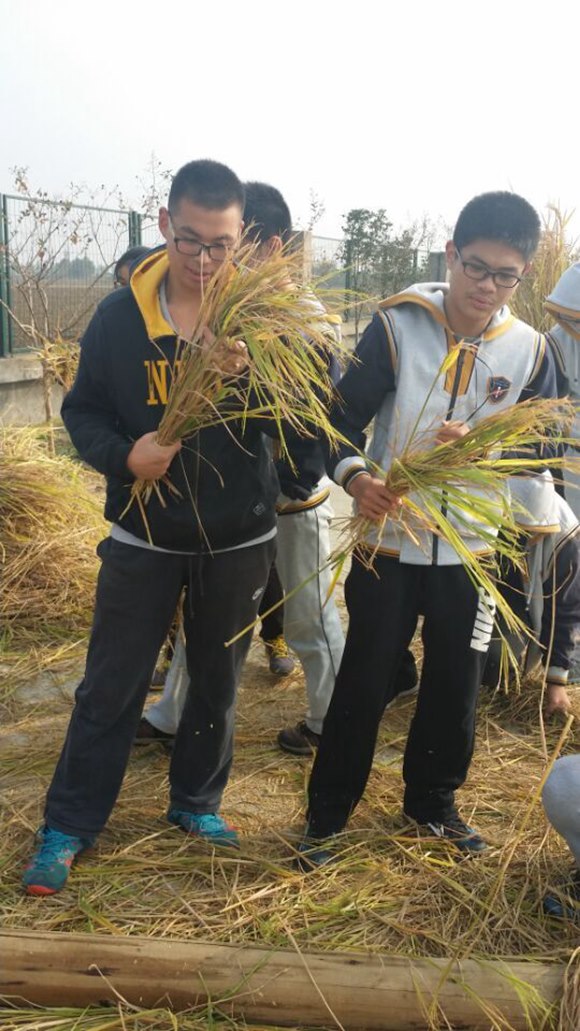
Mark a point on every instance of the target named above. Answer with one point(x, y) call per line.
point(256, 304)
point(457, 487)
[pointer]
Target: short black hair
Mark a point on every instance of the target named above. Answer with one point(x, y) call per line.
point(501, 216)
point(266, 213)
point(207, 183)
point(130, 257)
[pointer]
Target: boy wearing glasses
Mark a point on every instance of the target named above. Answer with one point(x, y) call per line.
point(217, 532)
point(396, 382)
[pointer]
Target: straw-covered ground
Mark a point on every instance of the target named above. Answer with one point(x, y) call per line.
point(389, 893)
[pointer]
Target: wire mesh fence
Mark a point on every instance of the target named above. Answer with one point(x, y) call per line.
point(56, 264)
point(328, 262)
point(57, 260)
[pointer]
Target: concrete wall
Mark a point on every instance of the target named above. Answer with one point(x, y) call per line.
point(21, 392)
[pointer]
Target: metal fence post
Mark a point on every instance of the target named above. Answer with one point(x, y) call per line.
point(135, 229)
point(347, 278)
point(5, 295)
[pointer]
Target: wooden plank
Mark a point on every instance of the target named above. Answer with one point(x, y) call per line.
point(386, 993)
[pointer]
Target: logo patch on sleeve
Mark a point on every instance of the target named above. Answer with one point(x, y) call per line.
point(497, 388)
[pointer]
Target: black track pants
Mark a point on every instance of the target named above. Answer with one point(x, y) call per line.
point(137, 594)
point(383, 607)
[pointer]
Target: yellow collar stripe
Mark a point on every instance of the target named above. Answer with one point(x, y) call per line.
point(540, 352)
point(145, 283)
point(423, 302)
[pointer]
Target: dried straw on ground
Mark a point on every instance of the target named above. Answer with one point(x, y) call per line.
point(390, 893)
point(60, 359)
point(50, 523)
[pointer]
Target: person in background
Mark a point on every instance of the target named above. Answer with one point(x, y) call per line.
point(125, 264)
point(280, 659)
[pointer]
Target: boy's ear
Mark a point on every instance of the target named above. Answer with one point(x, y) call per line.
point(163, 222)
point(450, 253)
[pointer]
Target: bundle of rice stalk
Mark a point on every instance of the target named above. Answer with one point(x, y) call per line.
point(447, 489)
point(288, 337)
point(557, 250)
point(50, 523)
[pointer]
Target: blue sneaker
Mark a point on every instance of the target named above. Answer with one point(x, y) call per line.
point(207, 826)
point(48, 870)
point(454, 830)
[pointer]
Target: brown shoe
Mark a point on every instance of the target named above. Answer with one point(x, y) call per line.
point(147, 734)
point(299, 740)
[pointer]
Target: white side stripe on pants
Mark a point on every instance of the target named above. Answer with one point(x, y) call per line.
point(484, 620)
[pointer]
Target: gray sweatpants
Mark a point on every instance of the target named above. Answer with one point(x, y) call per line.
point(561, 800)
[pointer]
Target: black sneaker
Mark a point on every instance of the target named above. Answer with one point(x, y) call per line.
point(280, 661)
point(564, 902)
point(454, 830)
point(299, 740)
point(147, 734)
point(312, 854)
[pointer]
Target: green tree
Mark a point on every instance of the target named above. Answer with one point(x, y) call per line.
point(377, 261)
point(75, 268)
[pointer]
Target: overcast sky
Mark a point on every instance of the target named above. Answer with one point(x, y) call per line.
point(413, 107)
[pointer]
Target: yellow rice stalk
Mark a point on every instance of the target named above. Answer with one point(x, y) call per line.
point(555, 253)
point(262, 303)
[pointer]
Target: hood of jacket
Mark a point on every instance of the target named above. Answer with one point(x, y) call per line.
point(431, 296)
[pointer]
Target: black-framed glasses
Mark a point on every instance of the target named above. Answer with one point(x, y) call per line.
point(193, 248)
point(478, 271)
